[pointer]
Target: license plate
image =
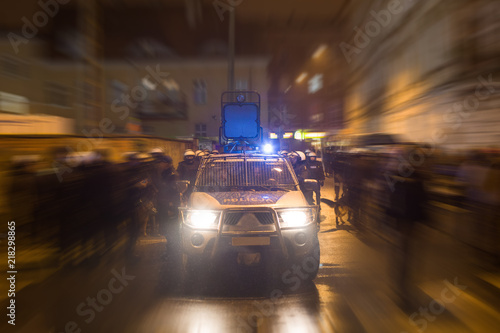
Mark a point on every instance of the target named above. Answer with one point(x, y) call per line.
point(246, 241)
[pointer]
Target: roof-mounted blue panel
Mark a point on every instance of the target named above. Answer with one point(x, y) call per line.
point(241, 121)
point(240, 117)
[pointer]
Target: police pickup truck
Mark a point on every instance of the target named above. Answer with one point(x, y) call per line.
point(246, 208)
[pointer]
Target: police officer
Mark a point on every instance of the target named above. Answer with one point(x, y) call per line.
point(187, 170)
point(314, 170)
point(199, 155)
point(283, 153)
point(139, 196)
point(168, 202)
point(155, 170)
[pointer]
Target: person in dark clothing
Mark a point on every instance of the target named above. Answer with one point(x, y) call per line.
point(67, 181)
point(407, 206)
point(22, 194)
point(139, 190)
point(104, 198)
point(187, 170)
point(298, 159)
point(328, 161)
point(168, 202)
point(294, 158)
point(312, 169)
point(153, 224)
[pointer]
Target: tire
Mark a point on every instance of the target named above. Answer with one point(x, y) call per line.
point(316, 254)
point(304, 260)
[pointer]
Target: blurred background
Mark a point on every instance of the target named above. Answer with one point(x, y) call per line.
point(426, 71)
point(86, 84)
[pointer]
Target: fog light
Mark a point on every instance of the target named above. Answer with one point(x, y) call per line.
point(300, 238)
point(197, 239)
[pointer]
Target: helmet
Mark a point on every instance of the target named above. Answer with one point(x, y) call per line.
point(128, 155)
point(74, 159)
point(307, 151)
point(137, 157)
point(215, 151)
point(284, 153)
point(89, 158)
point(197, 153)
point(143, 157)
point(156, 153)
point(311, 156)
point(294, 157)
point(200, 153)
point(301, 155)
point(189, 156)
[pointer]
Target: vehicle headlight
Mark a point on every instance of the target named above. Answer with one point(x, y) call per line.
point(291, 218)
point(202, 219)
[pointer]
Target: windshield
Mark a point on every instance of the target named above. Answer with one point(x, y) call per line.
point(242, 173)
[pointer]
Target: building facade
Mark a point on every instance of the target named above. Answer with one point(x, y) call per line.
point(179, 99)
point(426, 70)
point(164, 98)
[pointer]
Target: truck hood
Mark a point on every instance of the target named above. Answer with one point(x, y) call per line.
point(221, 200)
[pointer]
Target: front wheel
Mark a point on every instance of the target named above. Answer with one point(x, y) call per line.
point(310, 262)
point(316, 256)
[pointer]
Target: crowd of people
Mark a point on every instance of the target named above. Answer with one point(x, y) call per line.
point(85, 204)
point(374, 176)
point(399, 190)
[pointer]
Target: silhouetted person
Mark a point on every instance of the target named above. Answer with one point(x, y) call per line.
point(407, 207)
point(137, 195)
point(168, 203)
point(187, 170)
point(314, 170)
point(22, 195)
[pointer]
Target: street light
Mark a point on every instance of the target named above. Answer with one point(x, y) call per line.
point(301, 77)
point(319, 51)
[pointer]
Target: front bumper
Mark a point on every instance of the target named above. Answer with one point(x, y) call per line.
point(268, 240)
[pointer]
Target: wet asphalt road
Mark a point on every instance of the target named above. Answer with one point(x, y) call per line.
point(355, 291)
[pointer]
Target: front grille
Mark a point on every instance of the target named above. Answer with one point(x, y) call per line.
point(234, 171)
point(232, 218)
point(264, 218)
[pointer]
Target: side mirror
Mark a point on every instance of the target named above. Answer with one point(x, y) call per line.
point(182, 185)
point(311, 184)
